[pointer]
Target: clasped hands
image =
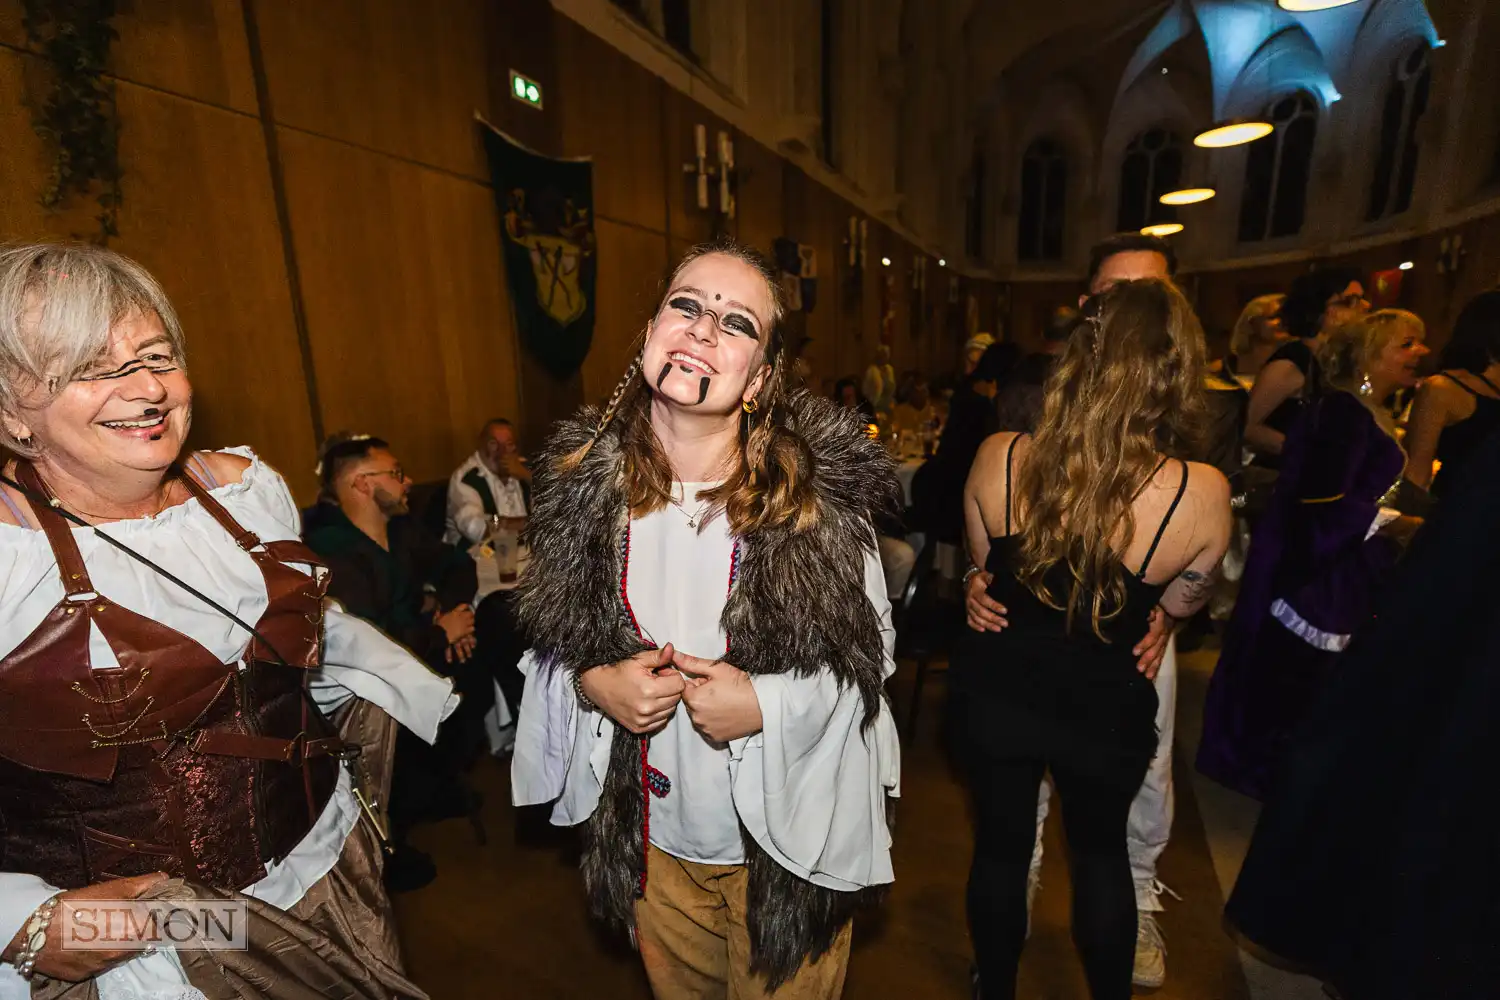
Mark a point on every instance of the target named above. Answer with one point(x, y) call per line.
point(641, 693)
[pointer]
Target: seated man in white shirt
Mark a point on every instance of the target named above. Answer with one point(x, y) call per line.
point(490, 482)
point(493, 482)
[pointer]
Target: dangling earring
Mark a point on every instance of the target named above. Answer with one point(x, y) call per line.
point(750, 405)
point(1365, 388)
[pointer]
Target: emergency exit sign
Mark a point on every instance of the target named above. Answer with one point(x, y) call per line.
point(525, 90)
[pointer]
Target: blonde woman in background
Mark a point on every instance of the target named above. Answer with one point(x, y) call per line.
point(1257, 334)
point(1319, 553)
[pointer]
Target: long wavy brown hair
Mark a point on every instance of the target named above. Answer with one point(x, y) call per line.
point(766, 485)
point(1127, 388)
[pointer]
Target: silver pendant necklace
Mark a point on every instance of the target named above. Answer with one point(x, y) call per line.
point(692, 518)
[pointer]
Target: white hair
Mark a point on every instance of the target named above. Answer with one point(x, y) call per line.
point(58, 304)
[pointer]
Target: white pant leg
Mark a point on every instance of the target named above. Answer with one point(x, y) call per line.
point(1150, 824)
point(1043, 797)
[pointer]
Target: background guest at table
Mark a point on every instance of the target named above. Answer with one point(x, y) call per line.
point(1458, 408)
point(1317, 304)
point(1257, 335)
point(492, 482)
point(879, 383)
point(1318, 555)
point(847, 394)
point(1019, 400)
point(914, 412)
point(381, 562)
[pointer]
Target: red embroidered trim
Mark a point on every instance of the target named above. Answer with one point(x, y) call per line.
point(646, 768)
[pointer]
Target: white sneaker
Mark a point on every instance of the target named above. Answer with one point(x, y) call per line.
point(1150, 953)
point(1033, 886)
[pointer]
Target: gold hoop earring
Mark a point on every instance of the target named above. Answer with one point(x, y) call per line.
point(750, 405)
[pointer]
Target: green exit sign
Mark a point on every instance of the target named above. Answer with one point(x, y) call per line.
point(525, 89)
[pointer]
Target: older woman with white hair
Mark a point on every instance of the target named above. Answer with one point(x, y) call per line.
point(168, 670)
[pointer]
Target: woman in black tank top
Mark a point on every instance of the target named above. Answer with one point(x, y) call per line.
point(1458, 408)
point(1090, 544)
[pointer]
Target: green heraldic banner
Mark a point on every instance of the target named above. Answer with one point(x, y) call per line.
point(547, 232)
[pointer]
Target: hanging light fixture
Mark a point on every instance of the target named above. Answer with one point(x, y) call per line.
point(1162, 229)
point(1232, 134)
point(1301, 6)
point(1187, 196)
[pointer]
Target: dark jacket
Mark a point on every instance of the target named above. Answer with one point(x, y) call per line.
point(386, 588)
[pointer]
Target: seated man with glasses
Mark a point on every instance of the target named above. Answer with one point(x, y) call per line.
point(387, 569)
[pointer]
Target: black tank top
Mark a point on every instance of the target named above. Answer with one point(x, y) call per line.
point(1040, 689)
point(1459, 442)
point(1028, 615)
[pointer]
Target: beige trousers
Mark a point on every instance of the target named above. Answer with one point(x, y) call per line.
point(695, 939)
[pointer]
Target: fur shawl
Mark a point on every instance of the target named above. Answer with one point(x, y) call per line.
point(799, 605)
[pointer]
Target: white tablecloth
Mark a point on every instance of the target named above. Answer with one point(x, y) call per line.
point(905, 473)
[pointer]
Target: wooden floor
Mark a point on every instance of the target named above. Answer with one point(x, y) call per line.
point(507, 919)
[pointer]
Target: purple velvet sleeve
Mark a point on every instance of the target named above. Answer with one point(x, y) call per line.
point(1330, 569)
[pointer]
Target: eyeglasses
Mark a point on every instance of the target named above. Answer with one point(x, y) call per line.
point(397, 473)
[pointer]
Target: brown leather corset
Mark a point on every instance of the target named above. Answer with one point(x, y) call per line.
point(171, 761)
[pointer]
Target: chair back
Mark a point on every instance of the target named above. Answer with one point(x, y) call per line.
point(922, 618)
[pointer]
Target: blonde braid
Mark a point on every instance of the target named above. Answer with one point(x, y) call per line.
point(571, 460)
point(614, 400)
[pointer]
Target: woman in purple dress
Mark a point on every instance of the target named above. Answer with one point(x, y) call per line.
point(1319, 553)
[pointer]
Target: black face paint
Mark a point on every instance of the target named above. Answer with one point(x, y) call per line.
point(666, 370)
point(156, 437)
point(703, 388)
point(130, 368)
point(151, 411)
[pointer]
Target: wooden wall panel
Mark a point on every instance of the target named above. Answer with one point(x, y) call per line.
point(411, 334)
point(198, 213)
point(193, 48)
point(399, 76)
point(26, 161)
point(611, 109)
point(761, 216)
point(632, 263)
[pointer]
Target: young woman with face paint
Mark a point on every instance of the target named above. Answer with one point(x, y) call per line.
point(711, 636)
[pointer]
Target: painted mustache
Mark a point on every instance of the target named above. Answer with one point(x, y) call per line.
point(703, 382)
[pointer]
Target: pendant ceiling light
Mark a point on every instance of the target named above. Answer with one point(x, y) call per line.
point(1232, 134)
point(1187, 196)
point(1306, 5)
point(1162, 229)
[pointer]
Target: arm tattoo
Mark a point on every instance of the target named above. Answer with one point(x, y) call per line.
point(1196, 585)
point(1190, 591)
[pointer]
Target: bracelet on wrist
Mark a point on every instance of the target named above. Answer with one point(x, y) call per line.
point(584, 700)
point(36, 938)
point(971, 572)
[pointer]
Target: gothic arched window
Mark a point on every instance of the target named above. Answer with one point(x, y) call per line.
point(1396, 164)
point(1152, 166)
point(1044, 196)
point(1277, 168)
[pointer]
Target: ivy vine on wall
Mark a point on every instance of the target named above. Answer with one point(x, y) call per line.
point(78, 118)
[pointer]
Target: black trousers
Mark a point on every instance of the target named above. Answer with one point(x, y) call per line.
point(1095, 808)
